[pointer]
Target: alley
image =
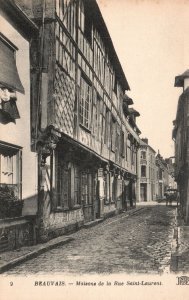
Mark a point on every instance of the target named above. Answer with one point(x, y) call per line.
point(140, 243)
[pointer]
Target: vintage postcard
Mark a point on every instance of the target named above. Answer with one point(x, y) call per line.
point(94, 165)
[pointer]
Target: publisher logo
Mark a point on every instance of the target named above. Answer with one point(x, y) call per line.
point(183, 280)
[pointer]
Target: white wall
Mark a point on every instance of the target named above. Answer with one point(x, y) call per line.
point(19, 133)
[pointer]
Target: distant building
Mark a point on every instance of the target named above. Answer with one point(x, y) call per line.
point(164, 176)
point(171, 183)
point(181, 138)
point(146, 175)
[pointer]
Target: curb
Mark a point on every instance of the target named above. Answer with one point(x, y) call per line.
point(92, 223)
point(52, 244)
point(33, 254)
point(174, 248)
point(122, 215)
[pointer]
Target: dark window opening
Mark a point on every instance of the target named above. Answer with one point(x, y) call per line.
point(143, 171)
point(88, 25)
point(143, 154)
point(113, 134)
point(115, 86)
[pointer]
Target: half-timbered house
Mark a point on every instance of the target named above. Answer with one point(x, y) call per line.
point(82, 127)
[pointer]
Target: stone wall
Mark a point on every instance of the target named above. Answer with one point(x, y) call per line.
point(16, 233)
point(109, 210)
point(63, 222)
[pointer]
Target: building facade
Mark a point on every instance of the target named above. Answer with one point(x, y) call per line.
point(165, 178)
point(18, 172)
point(146, 175)
point(82, 128)
point(181, 138)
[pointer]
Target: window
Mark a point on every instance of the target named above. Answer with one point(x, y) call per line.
point(76, 186)
point(107, 127)
point(143, 155)
point(67, 178)
point(88, 25)
point(122, 147)
point(114, 189)
point(129, 150)
point(65, 10)
point(65, 51)
point(86, 187)
point(143, 171)
point(95, 114)
point(99, 118)
point(113, 134)
point(11, 168)
point(126, 150)
point(115, 86)
point(85, 104)
point(132, 154)
point(107, 179)
point(63, 181)
point(98, 59)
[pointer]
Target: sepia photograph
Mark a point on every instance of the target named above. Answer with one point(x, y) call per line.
point(94, 149)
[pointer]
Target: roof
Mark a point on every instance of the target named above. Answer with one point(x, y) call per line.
point(134, 112)
point(147, 145)
point(16, 16)
point(179, 80)
point(128, 100)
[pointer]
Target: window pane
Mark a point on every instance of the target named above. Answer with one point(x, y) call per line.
point(85, 103)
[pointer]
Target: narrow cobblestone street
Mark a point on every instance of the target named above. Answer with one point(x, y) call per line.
point(140, 243)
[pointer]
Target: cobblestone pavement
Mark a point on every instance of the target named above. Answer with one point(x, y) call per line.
point(140, 243)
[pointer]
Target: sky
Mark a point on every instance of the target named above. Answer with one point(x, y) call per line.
point(151, 38)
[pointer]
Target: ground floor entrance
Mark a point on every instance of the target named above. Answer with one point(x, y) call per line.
point(143, 191)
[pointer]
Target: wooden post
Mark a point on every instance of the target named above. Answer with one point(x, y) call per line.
point(41, 232)
point(101, 191)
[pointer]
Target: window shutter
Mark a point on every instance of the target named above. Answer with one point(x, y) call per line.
point(9, 74)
